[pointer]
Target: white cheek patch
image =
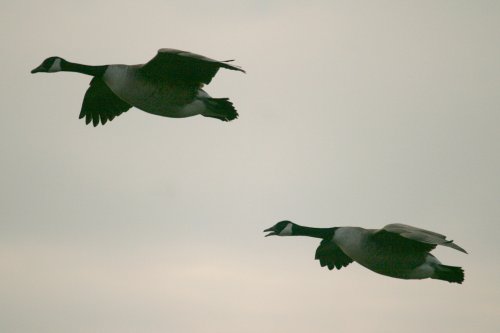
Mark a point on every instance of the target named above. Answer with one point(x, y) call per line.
point(287, 231)
point(56, 66)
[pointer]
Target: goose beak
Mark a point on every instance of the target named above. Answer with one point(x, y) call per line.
point(272, 232)
point(36, 70)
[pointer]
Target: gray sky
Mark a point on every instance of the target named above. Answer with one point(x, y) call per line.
point(352, 113)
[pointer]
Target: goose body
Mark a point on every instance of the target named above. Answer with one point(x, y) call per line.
point(167, 99)
point(168, 85)
point(397, 250)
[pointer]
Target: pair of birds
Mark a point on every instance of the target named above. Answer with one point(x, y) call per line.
point(170, 85)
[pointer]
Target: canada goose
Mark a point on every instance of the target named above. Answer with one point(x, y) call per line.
point(168, 85)
point(396, 250)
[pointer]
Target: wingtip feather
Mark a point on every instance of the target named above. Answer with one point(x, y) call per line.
point(455, 246)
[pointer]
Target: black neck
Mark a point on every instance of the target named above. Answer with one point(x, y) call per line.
point(299, 230)
point(67, 66)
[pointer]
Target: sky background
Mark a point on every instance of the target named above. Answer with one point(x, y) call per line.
point(353, 113)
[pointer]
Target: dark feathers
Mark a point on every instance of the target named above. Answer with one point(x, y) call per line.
point(180, 66)
point(417, 238)
point(100, 103)
point(330, 255)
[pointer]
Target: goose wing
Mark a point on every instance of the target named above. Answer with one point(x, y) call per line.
point(330, 255)
point(100, 103)
point(184, 67)
point(415, 237)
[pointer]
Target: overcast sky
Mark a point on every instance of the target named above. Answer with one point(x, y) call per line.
point(352, 113)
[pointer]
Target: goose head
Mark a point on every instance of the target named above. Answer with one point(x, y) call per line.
point(283, 228)
point(49, 65)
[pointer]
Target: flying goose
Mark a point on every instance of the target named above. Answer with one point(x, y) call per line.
point(397, 250)
point(168, 85)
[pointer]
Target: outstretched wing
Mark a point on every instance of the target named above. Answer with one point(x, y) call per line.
point(414, 237)
point(330, 255)
point(184, 67)
point(100, 103)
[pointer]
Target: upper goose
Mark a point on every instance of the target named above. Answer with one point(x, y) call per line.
point(168, 85)
point(396, 250)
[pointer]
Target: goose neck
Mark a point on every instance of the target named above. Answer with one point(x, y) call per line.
point(83, 69)
point(313, 232)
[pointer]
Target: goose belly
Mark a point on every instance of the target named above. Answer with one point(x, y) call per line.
point(380, 259)
point(165, 102)
point(398, 265)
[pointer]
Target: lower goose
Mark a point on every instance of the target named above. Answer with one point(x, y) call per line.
point(397, 250)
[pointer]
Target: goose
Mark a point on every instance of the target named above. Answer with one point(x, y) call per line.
point(168, 85)
point(397, 250)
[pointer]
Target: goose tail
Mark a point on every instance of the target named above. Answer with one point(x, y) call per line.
point(220, 108)
point(451, 274)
